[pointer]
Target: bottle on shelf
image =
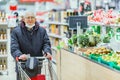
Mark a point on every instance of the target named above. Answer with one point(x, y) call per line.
point(5, 50)
point(71, 13)
point(2, 49)
point(0, 13)
point(2, 16)
point(1, 36)
point(52, 28)
point(57, 30)
point(4, 34)
point(0, 64)
point(56, 42)
point(64, 17)
point(4, 64)
point(68, 14)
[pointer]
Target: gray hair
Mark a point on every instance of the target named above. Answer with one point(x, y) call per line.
point(29, 12)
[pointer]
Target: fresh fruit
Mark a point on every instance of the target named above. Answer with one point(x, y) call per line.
point(101, 50)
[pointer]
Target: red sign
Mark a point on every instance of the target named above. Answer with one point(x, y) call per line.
point(10, 17)
point(13, 7)
point(36, 0)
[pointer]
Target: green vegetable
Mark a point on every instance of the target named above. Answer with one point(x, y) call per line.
point(72, 41)
point(83, 40)
point(106, 39)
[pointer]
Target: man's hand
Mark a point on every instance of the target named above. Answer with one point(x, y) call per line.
point(48, 55)
point(23, 57)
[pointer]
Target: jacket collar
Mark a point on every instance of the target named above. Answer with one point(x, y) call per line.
point(35, 27)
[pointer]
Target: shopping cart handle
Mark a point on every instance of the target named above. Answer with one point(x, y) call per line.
point(50, 58)
point(44, 58)
point(17, 59)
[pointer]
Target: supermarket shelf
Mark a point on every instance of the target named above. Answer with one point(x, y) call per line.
point(3, 23)
point(57, 23)
point(3, 55)
point(54, 35)
point(102, 24)
point(95, 23)
point(115, 25)
point(3, 40)
point(90, 23)
point(3, 72)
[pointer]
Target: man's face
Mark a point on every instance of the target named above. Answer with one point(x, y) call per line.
point(30, 19)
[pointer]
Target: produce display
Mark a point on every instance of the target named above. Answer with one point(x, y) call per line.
point(112, 58)
point(109, 17)
point(88, 43)
point(103, 55)
point(73, 41)
point(100, 50)
point(106, 39)
point(84, 40)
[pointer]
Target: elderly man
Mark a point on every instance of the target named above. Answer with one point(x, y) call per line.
point(30, 38)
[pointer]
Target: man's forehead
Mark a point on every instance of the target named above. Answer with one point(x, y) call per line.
point(27, 14)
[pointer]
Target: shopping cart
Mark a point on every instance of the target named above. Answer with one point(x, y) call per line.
point(47, 71)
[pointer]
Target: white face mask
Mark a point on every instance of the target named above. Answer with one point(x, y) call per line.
point(30, 26)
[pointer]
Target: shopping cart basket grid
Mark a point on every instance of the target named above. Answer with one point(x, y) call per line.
point(47, 71)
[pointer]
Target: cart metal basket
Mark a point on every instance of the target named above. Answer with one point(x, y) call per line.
point(47, 71)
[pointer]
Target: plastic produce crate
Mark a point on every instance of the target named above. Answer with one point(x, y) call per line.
point(116, 67)
point(95, 57)
point(108, 63)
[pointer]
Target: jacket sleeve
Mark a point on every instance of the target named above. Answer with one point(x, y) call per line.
point(46, 44)
point(15, 50)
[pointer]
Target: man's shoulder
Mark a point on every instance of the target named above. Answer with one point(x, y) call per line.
point(42, 29)
point(16, 29)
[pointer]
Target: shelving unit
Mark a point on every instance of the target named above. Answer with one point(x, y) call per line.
point(57, 23)
point(57, 26)
point(4, 48)
point(102, 24)
point(5, 55)
point(55, 35)
point(56, 32)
